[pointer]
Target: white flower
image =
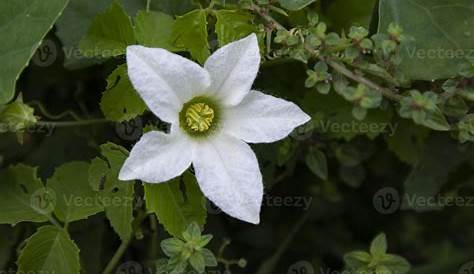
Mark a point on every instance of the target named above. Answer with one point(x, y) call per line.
point(213, 113)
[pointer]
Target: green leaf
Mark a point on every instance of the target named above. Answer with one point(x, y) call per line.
point(197, 262)
point(49, 250)
point(174, 209)
point(172, 246)
point(21, 196)
point(295, 4)
point(381, 269)
point(317, 163)
point(466, 129)
point(120, 102)
point(76, 20)
point(73, 25)
point(24, 24)
point(173, 7)
point(209, 258)
point(378, 247)
point(357, 259)
point(347, 13)
point(232, 25)
point(423, 110)
point(109, 34)
point(192, 232)
point(75, 199)
point(436, 120)
point(154, 29)
point(395, 263)
point(190, 34)
point(117, 196)
point(435, 47)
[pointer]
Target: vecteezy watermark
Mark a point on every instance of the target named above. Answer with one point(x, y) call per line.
point(438, 201)
point(131, 130)
point(89, 201)
point(467, 268)
point(75, 53)
point(45, 129)
point(440, 53)
point(46, 54)
point(301, 267)
point(358, 126)
point(347, 271)
point(306, 131)
point(388, 200)
point(43, 200)
point(303, 202)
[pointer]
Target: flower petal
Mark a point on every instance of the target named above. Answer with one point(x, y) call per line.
point(158, 157)
point(165, 80)
point(233, 69)
point(228, 174)
point(262, 118)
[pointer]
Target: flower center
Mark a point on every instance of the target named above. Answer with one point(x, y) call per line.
point(199, 117)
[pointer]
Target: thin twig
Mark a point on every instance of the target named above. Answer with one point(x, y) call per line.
point(117, 256)
point(334, 65)
point(72, 123)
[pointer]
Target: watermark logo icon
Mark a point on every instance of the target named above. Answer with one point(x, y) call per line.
point(387, 200)
point(46, 54)
point(301, 267)
point(467, 268)
point(43, 200)
point(130, 267)
point(131, 130)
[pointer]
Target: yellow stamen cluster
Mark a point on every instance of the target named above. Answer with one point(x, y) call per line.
point(199, 117)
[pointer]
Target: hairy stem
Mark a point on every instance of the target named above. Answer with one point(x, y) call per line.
point(388, 93)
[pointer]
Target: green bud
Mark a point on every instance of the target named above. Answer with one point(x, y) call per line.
point(359, 113)
point(333, 39)
point(320, 30)
point(366, 44)
point(466, 70)
point(358, 33)
point(323, 87)
point(388, 46)
point(242, 263)
point(313, 18)
point(16, 116)
point(395, 31)
point(466, 129)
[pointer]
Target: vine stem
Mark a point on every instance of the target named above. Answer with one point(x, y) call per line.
point(72, 123)
point(53, 221)
point(148, 3)
point(388, 93)
point(360, 79)
point(117, 256)
point(270, 264)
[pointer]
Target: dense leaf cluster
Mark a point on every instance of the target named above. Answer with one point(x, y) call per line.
point(389, 85)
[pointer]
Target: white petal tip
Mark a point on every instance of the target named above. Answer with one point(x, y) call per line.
point(125, 176)
point(254, 221)
point(306, 118)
